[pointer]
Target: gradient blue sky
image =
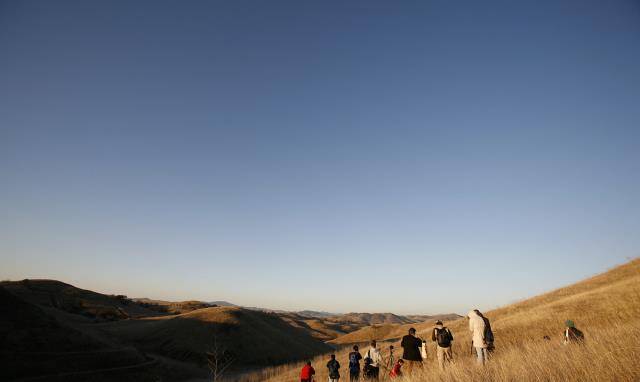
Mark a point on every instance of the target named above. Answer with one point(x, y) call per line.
point(412, 157)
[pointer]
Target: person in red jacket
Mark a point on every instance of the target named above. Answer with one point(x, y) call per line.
point(396, 372)
point(307, 373)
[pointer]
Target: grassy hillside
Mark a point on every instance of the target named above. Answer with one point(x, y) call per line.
point(320, 328)
point(172, 307)
point(251, 337)
point(605, 307)
point(46, 321)
point(365, 319)
point(68, 298)
point(390, 328)
point(338, 328)
point(33, 343)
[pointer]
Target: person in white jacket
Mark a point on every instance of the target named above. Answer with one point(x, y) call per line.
point(476, 327)
point(376, 359)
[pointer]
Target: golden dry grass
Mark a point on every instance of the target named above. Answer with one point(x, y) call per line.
point(605, 307)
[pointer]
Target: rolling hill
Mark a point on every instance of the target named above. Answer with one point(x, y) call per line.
point(336, 328)
point(251, 337)
point(34, 343)
point(67, 298)
point(172, 307)
point(107, 338)
point(605, 307)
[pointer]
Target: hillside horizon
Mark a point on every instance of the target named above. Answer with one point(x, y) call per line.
point(528, 337)
point(172, 338)
point(328, 313)
point(225, 303)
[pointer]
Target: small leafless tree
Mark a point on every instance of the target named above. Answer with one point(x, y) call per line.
point(218, 359)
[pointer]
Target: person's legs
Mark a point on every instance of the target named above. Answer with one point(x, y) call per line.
point(376, 373)
point(448, 354)
point(354, 376)
point(480, 352)
point(440, 354)
point(406, 367)
point(410, 367)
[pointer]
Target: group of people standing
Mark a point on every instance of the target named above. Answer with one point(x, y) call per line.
point(415, 351)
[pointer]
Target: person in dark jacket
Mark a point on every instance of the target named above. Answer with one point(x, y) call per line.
point(354, 364)
point(307, 373)
point(411, 352)
point(334, 369)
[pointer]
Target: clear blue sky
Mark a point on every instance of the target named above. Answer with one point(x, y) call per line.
point(422, 156)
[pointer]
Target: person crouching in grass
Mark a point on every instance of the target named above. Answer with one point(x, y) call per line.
point(396, 372)
point(307, 373)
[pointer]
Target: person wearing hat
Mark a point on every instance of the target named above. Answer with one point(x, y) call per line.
point(442, 336)
point(572, 334)
point(411, 355)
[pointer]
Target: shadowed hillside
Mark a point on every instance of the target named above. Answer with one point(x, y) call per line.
point(65, 297)
point(251, 337)
point(33, 343)
point(605, 307)
point(56, 331)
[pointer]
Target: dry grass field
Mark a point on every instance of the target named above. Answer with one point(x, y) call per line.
point(605, 307)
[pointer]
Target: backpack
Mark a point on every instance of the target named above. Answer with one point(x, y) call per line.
point(574, 335)
point(368, 361)
point(333, 369)
point(488, 333)
point(367, 369)
point(354, 363)
point(443, 337)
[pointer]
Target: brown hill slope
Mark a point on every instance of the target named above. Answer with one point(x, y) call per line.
point(172, 307)
point(385, 329)
point(251, 337)
point(365, 319)
point(317, 327)
point(68, 298)
point(34, 344)
point(605, 307)
point(96, 331)
point(335, 328)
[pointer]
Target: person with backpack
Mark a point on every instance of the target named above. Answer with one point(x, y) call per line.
point(354, 364)
point(442, 336)
point(477, 329)
point(411, 355)
point(396, 372)
point(372, 361)
point(571, 334)
point(488, 333)
point(307, 373)
point(334, 369)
